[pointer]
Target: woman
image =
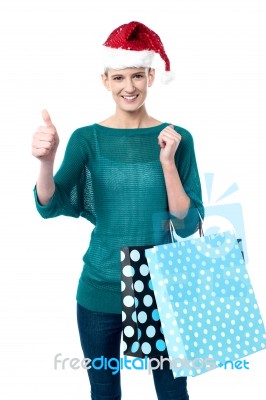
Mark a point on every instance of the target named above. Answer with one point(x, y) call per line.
point(128, 175)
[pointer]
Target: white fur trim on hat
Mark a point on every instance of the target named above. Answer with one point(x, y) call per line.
point(120, 58)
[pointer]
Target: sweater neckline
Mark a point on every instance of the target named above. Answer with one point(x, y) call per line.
point(149, 129)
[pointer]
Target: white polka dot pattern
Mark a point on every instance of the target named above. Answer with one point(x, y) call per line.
point(206, 302)
point(142, 333)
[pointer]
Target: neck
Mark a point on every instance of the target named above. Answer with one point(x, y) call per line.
point(136, 119)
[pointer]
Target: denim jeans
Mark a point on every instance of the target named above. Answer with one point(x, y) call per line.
point(100, 335)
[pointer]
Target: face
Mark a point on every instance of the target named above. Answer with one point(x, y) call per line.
point(128, 86)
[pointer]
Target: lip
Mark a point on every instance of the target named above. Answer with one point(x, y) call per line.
point(130, 99)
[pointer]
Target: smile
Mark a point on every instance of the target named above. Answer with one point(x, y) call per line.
point(130, 98)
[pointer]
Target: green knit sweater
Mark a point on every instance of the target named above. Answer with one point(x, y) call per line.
point(114, 179)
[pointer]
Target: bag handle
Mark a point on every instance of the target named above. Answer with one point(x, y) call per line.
point(200, 227)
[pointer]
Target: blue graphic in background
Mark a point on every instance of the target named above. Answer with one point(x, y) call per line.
point(223, 217)
point(218, 217)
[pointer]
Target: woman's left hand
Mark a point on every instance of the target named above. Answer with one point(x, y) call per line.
point(168, 140)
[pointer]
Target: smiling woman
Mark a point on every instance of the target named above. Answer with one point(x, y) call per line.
point(127, 175)
point(128, 87)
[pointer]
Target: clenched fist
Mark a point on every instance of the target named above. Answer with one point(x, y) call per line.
point(45, 140)
point(169, 141)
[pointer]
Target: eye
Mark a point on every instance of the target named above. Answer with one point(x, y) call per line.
point(138, 76)
point(117, 78)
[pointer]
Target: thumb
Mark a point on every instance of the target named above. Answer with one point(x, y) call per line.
point(46, 117)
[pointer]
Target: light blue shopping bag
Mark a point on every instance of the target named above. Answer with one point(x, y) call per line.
point(207, 306)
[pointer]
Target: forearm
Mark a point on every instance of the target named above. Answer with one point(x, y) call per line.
point(45, 185)
point(178, 200)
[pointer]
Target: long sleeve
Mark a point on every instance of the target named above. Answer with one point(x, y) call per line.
point(186, 164)
point(73, 194)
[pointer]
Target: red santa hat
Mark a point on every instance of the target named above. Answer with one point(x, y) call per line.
point(134, 45)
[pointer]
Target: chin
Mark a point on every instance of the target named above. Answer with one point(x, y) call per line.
point(130, 107)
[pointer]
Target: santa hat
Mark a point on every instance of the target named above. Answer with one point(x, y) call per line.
point(134, 45)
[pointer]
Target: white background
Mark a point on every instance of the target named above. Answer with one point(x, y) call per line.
point(50, 59)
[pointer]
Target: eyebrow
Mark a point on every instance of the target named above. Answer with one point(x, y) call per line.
point(135, 73)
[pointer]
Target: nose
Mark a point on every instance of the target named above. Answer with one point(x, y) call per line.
point(129, 87)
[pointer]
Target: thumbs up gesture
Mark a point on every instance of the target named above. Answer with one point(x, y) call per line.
point(45, 140)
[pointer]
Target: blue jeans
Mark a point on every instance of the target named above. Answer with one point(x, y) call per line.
point(100, 336)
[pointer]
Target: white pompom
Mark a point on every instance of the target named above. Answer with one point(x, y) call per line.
point(167, 77)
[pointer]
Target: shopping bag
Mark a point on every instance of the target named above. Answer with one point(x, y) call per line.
point(142, 332)
point(207, 306)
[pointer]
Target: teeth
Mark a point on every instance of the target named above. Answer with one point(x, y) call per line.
point(129, 97)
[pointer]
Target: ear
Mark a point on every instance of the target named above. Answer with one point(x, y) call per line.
point(105, 81)
point(151, 76)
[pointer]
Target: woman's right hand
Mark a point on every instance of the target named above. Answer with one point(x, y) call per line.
point(45, 140)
